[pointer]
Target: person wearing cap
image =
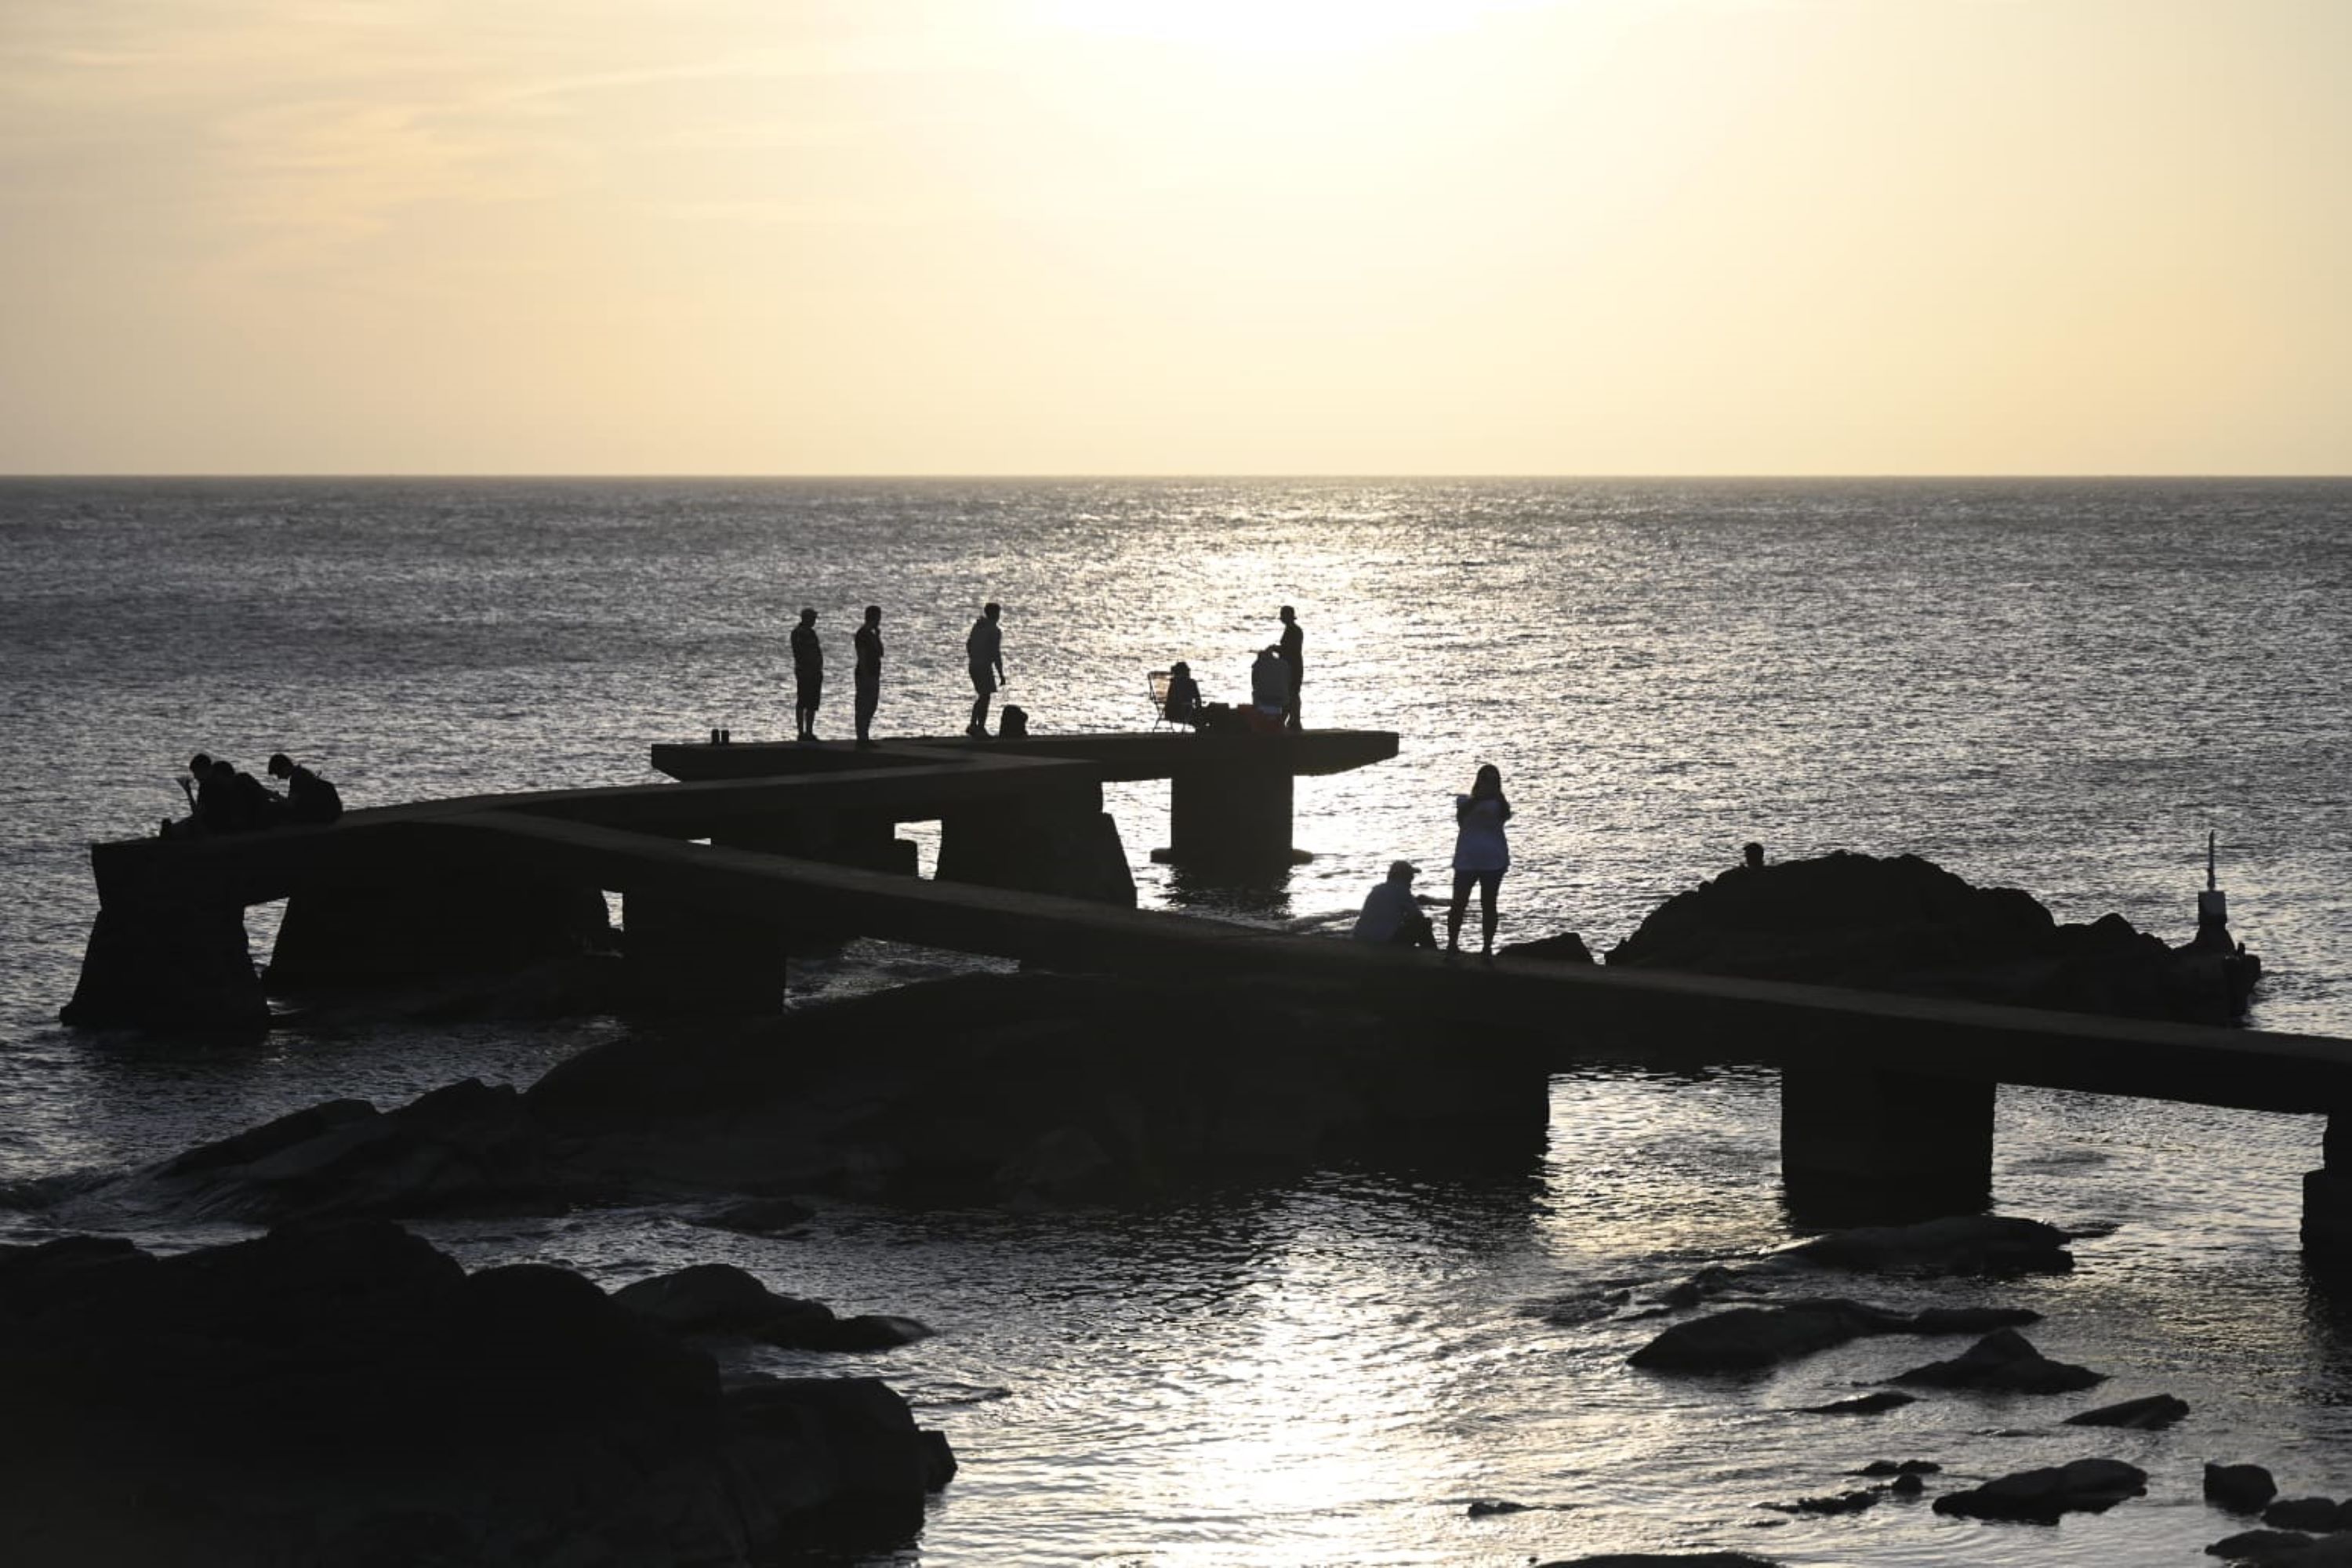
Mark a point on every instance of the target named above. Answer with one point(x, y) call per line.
point(1391, 916)
point(808, 676)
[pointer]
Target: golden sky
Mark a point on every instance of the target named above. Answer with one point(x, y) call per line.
point(1032, 236)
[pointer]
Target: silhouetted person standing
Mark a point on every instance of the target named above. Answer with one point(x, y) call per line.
point(868, 672)
point(984, 651)
point(309, 797)
point(1481, 854)
point(808, 676)
point(1294, 664)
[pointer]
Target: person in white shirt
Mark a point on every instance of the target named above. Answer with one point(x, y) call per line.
point(1391, 916)
point(1481, 854)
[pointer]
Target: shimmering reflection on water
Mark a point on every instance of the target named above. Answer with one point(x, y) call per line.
point(1329, 1371)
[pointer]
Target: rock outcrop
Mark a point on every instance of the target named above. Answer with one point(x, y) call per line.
point(1907, 924)
point(2240, 1489)
point(1744, 1339)
point(1991, 1245)
point(2148, 1415)
point(718, 1300)
point(2005, 1361)
point(977, 1089)
point(342, 1391)
point(2085, 1486)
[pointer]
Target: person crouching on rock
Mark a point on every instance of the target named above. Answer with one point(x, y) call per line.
point(1392, 915)
point(309, 797)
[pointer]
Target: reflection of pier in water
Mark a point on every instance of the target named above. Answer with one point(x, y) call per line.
point(764, 845)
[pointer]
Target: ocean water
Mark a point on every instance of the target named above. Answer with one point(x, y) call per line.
point(2057, 686)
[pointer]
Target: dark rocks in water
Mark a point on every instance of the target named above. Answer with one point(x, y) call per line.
point(465, 1145)
point(1905, 924)
point(1909, 1484)
point(1994, 1244)
point(2318, 1515)
point(2282, 1549)
point(1745, 1338)
point(1840, 1502)
point(2148, 1415)
point(1863, 1405)
point(1664, 1560)
point(1712, 1280)
point(2240, 1489)
point(1567, 947)
point(1488, 1508)
point(720, 1300)
point(2041, 1496)
point(758, 1216)
point(1900, 1468)
point(343, 1392)
point(2007, 1361)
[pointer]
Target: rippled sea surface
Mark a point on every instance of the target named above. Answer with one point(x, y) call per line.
point(2055, 686)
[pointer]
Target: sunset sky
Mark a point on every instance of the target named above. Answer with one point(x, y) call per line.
point(1033, 237)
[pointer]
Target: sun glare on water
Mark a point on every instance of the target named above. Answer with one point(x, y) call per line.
point(1279, 27)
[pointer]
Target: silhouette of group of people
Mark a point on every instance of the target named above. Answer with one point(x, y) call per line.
point(1392, 917)
point(1276, 677)
point(221, 798)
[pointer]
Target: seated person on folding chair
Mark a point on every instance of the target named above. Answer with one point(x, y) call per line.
point(1182, 704)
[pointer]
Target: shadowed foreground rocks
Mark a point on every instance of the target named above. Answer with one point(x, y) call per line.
point(980, 1088)
point(345, 1393)
point(1907, 924)
point(1745, 1339)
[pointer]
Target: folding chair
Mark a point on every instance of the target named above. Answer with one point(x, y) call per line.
point(1156, 684)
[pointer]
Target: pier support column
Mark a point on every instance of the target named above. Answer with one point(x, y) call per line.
point(162, 963)
point(443, 922)
point(686, 957)
point(1236, 816)
point(1862, 1147)
point(2328, 1198)
point(1067, 846)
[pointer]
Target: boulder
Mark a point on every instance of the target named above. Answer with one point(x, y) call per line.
point(1742, 1339)
point(2148, 1415)
point(1862, 1404)
point(719, 1299)
point(2085, 1486)
point(1839, 1502)
point(2006, 1361)
point(1900, 1468)
point(1489, 1507)
point(1567, 947)
point(343, 1392)
point(2317, 1515)
point(1965, 1244)
point(2265, 1547)
point(1907, 924)
point(2240, 1489)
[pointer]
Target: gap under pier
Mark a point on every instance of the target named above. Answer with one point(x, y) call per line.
point(1230, 796)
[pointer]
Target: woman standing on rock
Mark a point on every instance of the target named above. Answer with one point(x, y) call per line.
point(1481, 854)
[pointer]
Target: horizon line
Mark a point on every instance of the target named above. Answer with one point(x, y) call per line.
point(1142, 476)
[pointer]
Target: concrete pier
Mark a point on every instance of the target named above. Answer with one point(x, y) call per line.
point(1883, 1093)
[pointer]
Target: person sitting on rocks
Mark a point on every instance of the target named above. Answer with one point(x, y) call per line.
point(309, 797)
point(1391, 917)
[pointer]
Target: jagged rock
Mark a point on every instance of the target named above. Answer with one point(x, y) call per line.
point(1908, 1484)
point(2148, 1415)
point(1863, 1405)
point(1966, 1244)
point(2316, 1514)
point(2085, 1486)
point(1745, 1338)
point(1567, 947)
point(343, 1392)
point(2240, 1489)
point(1902, 1468)
point(720, 1300)
point(2005, 1361)
point(1905, 924)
